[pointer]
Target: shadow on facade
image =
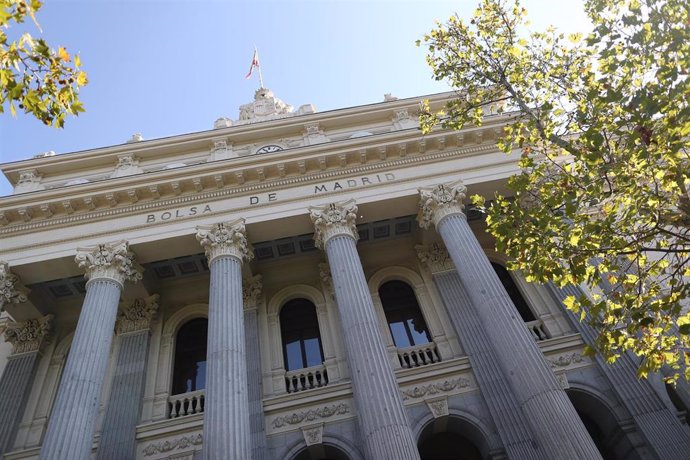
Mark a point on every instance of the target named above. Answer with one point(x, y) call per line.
point(452, 438)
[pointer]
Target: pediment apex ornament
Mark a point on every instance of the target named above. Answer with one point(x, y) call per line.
point(440, 201)
point(29, 335)
point(251, 291)
point(137, 315)
point(11, 290)
point(435, 256)
point(334, 219)
point(111, 260)
point(225, 239)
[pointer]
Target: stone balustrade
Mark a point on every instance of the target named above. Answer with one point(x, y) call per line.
point(418, 355)
point(306, 378)
point(538, 330)
point(184, 404)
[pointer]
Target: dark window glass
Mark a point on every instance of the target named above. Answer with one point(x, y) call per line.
point(190, 357)
point(514, 293)
point(299, 327)
point(403, 315)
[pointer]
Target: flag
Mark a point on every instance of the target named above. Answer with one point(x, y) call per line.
point(255, 63)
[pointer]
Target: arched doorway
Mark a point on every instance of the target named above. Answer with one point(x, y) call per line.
point(321, 452)
point(602, 426)
point(452, 438)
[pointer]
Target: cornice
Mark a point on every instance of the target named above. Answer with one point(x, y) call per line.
point(145, 203)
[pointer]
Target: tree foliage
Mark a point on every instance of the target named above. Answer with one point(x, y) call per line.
point(33, 77)
point(603, 125)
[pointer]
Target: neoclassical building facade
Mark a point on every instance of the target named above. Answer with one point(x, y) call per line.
point(296, 285)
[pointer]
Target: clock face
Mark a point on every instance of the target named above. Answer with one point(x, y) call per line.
point(269, 149)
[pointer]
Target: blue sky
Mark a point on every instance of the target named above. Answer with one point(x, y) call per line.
point(162, 68)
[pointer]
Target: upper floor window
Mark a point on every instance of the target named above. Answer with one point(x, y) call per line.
point(514, 293)
point(403, 315)
point(190, 357)
point(299, 327)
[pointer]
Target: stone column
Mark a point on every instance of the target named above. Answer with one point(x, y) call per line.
point(511, 422)
point(73, 421)
point(226, 406)
point(553, 419)
point(661, 428)
point(118, 436)
point(257, 423)
point(15, 384)
point(383, 424)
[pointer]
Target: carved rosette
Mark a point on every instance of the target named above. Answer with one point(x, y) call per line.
point(251, 291)
point(29, 335)
point(334, 219)
point(111, 261)
point(11, 290)
point(436, 257)
point(225, 239)
point(137, 315)
point(440, 201)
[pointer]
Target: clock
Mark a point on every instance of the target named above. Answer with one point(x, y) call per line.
point(269, 149)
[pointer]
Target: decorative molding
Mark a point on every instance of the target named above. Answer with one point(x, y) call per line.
point(565, 360)
point(182, 442)
point(11, 289)
point(251, 291)
point(440, 201)
point(562, 378)
point(29, 181)
point(29, 335)
point(127, 165)
point(334, 219)
point(435, 388)
point(438, 407)
point(109, 260)
point(137, 315)
point(311, 415)
point(313, 434)
point(436, 257)
point(225, 239)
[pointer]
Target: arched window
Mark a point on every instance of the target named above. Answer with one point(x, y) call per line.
point(514, 293)
point(403, 315)
point(299, 328)
point(407, 325)
point(190, 357)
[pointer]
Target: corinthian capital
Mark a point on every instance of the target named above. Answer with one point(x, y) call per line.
point(28, 335)
point(334, 219)
point(225, 239)
point(440, 201)
point(251, 290)
point(137, 315)
point(11, 290)
point(436, 257)
point(110, 260)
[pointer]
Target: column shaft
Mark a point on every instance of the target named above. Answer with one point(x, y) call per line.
point(73, 420)
point(663, 431)
point(257, 423)
point(15, 385)
point(383, 423)
point(513, 427)
point(118, 436)
point(226, 409)
point(548, 409)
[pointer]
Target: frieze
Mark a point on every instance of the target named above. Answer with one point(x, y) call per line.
point(311, 415)
point(168, 445)
point(566, 360)
point(436, 388)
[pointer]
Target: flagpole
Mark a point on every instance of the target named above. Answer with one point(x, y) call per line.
point(261, 78)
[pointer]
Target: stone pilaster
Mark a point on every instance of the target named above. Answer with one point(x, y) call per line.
point(11, 291)
point(226, 408)
point(384, 427)
point(118, 436)
point(554, 422)
point(72, 423)
point(511, 423)
point(26, 339)
point(660, 427)
point(251, 293)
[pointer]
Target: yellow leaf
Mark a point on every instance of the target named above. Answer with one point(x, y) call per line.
point(64, 55)
point(81, 79)
point(77, 60)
